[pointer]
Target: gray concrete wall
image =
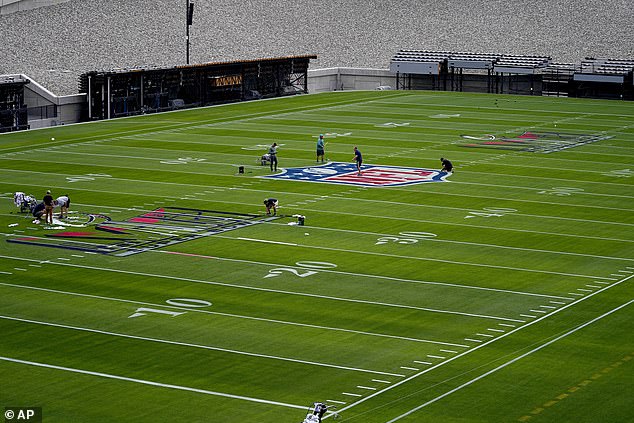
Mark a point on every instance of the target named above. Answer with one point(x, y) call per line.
point(342, 79)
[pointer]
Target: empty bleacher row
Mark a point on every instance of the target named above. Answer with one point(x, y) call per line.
point(510, 73)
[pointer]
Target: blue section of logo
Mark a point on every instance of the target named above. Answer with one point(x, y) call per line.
point(372, 175)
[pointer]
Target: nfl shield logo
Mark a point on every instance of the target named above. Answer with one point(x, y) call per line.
point(372, 175)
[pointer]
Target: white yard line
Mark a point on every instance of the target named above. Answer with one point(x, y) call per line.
point(148, 382)
point(461, 263)
point(237, 316)
point(279, 291)
point(206, 347)
point(516, 359)
point(356, 274)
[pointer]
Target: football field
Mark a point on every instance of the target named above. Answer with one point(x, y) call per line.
point(500, 292)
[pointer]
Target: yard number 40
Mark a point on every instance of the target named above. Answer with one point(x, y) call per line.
point(318, 265)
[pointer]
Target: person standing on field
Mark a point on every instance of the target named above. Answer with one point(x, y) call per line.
point(320, 147)
point(359, 159)
point(48, 207)
point(273, 156)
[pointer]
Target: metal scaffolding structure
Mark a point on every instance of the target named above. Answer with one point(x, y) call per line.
point(13, 110)
point(126, 92)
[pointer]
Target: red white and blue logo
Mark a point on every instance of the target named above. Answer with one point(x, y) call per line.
point(371, 175)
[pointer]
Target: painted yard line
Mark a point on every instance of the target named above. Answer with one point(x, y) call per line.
point(369, 388)
point(449, 351)
point(206, 347)
point(485, 344)
point(516, 359)
point(528, 316)
point(336, 402)
point(538, 311)
point(473, 340)
point(381, 381)
point(496, 330)
point(365, 275)
point(560, 302)
point(280, 291)
point(147, 382)
point(592, 286)
point(526, 188)
point(568, 181)
point(507, 325)
point(477, 244)
point(5, 273)
point(436, 356)
point(360, 274)
point(548, 307)
point(460, 263)
point(410, 368)
point(486, 335)
point(237, 316)
point(350, 394)
point(427, 363)
point(267, 241)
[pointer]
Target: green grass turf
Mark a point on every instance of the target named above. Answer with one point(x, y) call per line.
point(501, 295)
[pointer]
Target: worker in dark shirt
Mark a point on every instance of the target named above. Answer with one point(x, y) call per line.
point(271, 203)
point(359, 159)
point(48, 207)
point(446, 165)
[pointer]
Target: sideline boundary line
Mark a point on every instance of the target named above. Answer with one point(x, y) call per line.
point(148, 382)
point(482, 376)
point(487, 343)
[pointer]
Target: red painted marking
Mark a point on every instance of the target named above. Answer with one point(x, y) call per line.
point(151, 217)
point(383, 176)
point(30, 238)
point(528, 135)
point(73, 234)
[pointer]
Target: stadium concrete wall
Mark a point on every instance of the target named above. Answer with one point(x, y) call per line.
point(342, 79)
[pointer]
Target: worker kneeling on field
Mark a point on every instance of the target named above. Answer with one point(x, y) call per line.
point(271, 204)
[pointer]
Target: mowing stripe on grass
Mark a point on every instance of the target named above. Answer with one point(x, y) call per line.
point(206, 347)
point(472, 381)
point(237, 316)
point(148, 382)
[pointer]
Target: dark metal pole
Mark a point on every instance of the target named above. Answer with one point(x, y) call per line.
point(187, 27)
